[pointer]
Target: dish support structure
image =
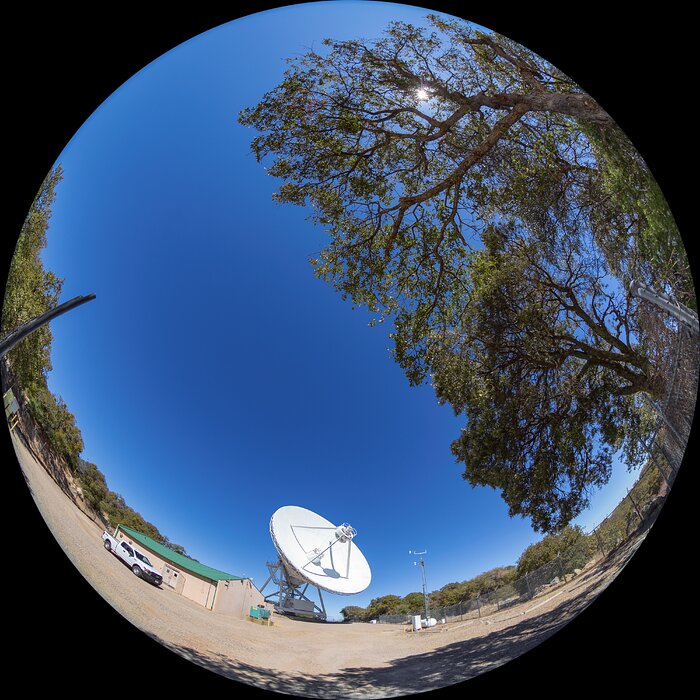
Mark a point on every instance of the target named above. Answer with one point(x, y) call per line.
point(289, 594)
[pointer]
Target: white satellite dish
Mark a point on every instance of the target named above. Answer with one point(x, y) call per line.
point(313, 552)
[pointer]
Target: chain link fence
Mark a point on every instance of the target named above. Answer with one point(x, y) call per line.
point(678, 364)
point(678, 361)
point(37, 442)
point(613, 531)
point(637, 509)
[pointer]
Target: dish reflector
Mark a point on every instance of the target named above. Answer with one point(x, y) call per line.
point(314, 550)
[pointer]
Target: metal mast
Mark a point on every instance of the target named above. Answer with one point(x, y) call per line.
point(425, 583)
point(663, 301)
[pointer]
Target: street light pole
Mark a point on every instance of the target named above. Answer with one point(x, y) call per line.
point(684, 314)
point(425, 583)
point(7, 343)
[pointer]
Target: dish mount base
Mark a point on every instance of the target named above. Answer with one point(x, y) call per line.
point(289, 593)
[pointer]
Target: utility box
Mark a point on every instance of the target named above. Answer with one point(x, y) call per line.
point(259, 614)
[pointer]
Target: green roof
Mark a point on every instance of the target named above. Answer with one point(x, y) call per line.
point(178, 559)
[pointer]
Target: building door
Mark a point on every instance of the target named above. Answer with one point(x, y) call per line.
point(171, 576)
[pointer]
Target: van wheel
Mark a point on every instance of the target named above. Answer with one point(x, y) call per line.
point(108, 546)
point(136, 570)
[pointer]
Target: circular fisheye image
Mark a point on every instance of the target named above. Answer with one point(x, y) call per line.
point(348, 350)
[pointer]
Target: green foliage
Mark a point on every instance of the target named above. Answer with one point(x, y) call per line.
point(353, 613)
point(647, 487)
point(625, 517)
point(549, 392)
point(118, 512)
point(655, 252)
point(58, 423)
point(93, 484)
point(497, 226)
point(486, 582)
point(31, 290)
point(571, 543)
point(413, 603)
point(385, 605)
point(450, 594)
point(98, 495)
point(570, 547)
point(454, 593)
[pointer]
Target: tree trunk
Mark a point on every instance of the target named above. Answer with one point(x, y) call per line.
point(581, 106)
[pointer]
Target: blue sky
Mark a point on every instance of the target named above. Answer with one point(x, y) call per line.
point(214, 378)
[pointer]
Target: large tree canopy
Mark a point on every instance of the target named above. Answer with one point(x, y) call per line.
point(31, 290)
point(481, 200)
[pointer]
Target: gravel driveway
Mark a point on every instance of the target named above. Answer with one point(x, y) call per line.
point(310, 659)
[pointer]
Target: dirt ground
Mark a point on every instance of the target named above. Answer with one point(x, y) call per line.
point(309, 659)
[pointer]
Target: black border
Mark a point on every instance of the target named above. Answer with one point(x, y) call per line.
point(63, 62)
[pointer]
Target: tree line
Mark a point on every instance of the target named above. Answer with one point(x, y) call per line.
point(30, 291)
point(571, 546)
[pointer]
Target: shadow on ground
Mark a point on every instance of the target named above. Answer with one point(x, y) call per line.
point(453, 663)
point(447, 665)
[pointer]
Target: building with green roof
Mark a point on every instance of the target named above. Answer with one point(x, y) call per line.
point(214, 589)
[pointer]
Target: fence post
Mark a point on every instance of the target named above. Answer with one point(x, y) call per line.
point(561, 566)
point(478, 603)
point(600, 543)
point(527, 581)
point(665, 476)
point(634, 505)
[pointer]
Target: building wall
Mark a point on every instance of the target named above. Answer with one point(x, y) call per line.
point(186, 583)
point(199, 590)
point(237, 597)
point(228, 597)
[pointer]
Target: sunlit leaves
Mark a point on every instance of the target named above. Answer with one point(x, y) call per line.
point(31, 290)
point(497, 225)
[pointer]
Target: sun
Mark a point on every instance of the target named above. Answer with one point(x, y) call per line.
point(422, 94)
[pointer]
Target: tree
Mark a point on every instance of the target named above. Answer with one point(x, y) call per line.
point(412, 603)
point(385, 605)
point(93, 484)
point(52, 413)
point(571, 542)
point(548, 362)
point(31, 290)
point(481, 200)
point(452, 593)
point(177, 548)
point(354, 613)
